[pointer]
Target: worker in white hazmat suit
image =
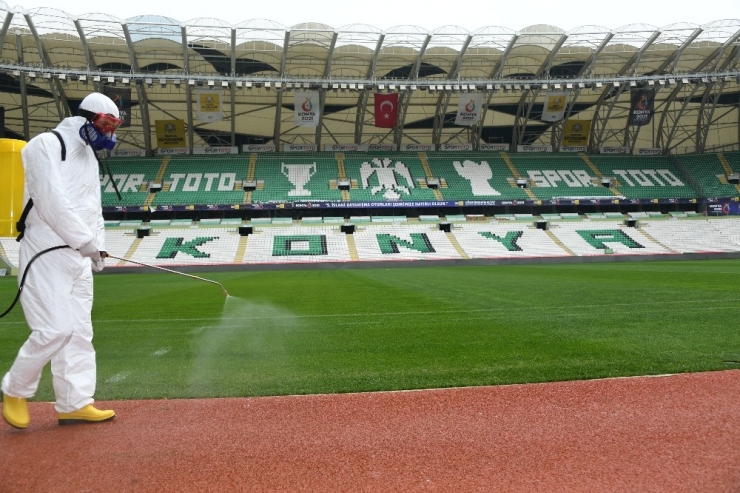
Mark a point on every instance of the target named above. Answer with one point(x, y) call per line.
point(57, 296)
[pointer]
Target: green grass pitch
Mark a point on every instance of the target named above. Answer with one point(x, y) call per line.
point(348, 330)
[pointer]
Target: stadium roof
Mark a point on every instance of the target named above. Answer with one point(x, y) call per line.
point(51, 60)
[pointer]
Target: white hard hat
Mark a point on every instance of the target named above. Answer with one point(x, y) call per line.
point(99, 103)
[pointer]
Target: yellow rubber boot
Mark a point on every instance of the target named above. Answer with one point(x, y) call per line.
point(88, 414)
point(15, 411)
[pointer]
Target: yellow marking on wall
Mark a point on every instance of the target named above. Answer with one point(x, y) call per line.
point(250, 175)
point(130, 253)
point(727, 167)
point(649, 237)
point(241, 249)
point(339, 156)
point(516, 174)
point(352, 247)
point(428, 173)
point(158, 179)
point(511, 166)
point(559, 243)
point(456, 245)
point(162, 169)
point(614, 190)
point(725, 164)
point(425, 164)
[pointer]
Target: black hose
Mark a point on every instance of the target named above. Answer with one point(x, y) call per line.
point(23, 279)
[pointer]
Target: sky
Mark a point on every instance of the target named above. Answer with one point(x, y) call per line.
point(429, 14)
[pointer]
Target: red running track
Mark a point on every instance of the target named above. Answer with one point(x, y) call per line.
point(673, 434)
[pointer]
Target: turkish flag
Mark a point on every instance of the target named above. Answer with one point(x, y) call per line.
point(386, 110)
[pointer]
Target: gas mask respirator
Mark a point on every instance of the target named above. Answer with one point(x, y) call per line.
point(100, 130)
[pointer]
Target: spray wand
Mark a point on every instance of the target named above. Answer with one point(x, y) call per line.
point(226, 293)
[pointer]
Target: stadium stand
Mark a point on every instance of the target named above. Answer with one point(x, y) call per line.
point(387, 177)
point(132, 177)
point(208, 180)
point(644, 177)
point(291, 177)
point(473, 175)
point(553, 176)
point(269, 243)
point(711, 173)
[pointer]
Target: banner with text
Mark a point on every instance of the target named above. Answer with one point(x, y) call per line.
point(575, 132)
point(216, 150)
point(258, 148)
point(534, 148)
point(345, 147)
point(469, 109)
point(418, 147)
point(381, 147)
point(553, 109)
point(306, 108)
point(128, 153)
point(122, 98)
point(456, 147)
point(208, 105)
point(495, 147)
point(172, 151)
point(614, 150)
point(642, 106)
point(170, 133)
point(300, 148)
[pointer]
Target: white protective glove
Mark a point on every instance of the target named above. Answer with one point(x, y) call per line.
point(98, 266)
point(91, 251)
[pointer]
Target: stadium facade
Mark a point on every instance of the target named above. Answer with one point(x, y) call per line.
point(256, 119)
point(237, 84)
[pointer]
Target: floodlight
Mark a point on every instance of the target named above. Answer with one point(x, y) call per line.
point(210, 83)
point(224, 83)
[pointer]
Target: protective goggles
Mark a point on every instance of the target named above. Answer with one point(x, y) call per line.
point(106, 123)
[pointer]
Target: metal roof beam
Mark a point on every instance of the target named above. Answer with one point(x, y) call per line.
point(365, 94)
point(529, 97)
point(672, 60)
point(141, 92)
point(188, 90)
point(498, 69)
point(414, 74)
point(665, 136)
point(322, 91)
point(6, 26)
point(233, 87)
point(22, 83)
point(60, 99)
point(279, 103)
